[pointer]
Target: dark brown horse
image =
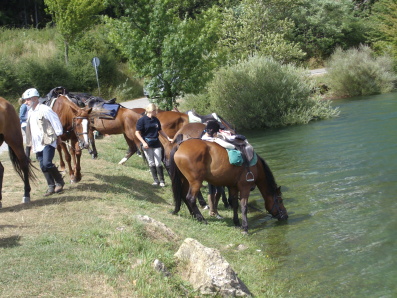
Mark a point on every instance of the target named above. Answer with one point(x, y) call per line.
point(75, 122)
point(196, 160)
point(10, 132)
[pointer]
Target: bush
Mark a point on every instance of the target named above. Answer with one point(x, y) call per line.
point(261, 92)
point(357, 72)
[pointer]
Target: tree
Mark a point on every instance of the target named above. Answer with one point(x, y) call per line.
point(384, 27)
point(323, 25)
point(174, 51)
point(251, 28)
point(72, 17)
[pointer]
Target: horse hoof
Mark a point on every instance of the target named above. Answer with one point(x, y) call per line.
point(244, 232)
point(206, 207)
point(218, 216)
point(25, 200)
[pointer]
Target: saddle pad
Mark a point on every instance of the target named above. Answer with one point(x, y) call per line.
point(235, 157)
point(112, 110)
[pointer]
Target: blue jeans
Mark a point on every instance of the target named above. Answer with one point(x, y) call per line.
point(45, 158)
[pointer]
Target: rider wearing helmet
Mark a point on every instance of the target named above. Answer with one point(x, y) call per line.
point(43, 131)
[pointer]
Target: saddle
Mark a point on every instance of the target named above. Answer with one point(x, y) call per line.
point(80, 99)
point(241, 144)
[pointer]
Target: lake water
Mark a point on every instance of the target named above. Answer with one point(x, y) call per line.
point(339, 181)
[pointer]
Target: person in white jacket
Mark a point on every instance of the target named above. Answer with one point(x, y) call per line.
point(43, 133)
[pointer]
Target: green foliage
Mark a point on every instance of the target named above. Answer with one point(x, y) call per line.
point(384, 28)
point(321, 25)
point(8, 79)
point(250, 29)
point(35, 60)
point(357, 72)
point(199, 102)
point(174, 54)
point(261, 92)
point(72, 17)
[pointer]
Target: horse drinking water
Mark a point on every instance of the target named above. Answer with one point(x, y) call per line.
point(196, 160)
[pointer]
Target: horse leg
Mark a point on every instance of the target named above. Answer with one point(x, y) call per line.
point(233, 197)
point(244, 210)
point(213, 202)
point(61, 161)
point(201, 200)
point(76, 158)
point(92, 151)
point(224, 198)
point(132, 148)
point(76, 167)
point(68, 161)
point(191, 199)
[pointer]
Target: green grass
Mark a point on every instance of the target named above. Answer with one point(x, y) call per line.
point(88, 242)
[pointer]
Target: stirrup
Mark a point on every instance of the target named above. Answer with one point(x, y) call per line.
point(249, 177)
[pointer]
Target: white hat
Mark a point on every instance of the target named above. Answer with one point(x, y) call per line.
point(30, 93)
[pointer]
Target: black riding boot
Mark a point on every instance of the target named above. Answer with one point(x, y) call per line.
point(160, 172)
point(153, 170)
point(50, 183)
point(59, 183)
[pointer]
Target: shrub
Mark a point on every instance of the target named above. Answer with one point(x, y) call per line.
point(358, 72)
point(261, 92)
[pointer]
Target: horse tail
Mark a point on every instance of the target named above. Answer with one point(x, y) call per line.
point(270, 180)
point(21, 165)
point(175, 175)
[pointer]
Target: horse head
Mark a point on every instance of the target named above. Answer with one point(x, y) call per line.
point(81, 126)
point(278, 210)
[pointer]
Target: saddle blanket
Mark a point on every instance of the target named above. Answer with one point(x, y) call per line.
point(111, 109)
point(236, 158)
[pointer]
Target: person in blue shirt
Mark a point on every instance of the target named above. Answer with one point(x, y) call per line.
point(148, 129)
point(23, 117)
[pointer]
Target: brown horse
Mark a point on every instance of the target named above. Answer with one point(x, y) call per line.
point(124, 123)
point(75, 122)
point(196, 160)
point(10, 132)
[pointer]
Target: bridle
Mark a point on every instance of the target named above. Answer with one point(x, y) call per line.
point(78, 134)
point(276, 206)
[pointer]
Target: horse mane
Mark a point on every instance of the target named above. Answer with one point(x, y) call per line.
point(271, 181)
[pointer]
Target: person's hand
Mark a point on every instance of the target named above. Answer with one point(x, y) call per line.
point(145, 145)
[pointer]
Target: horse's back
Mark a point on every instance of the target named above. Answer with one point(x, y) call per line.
point(172, 121)
point(204, 160)
point(191, 130)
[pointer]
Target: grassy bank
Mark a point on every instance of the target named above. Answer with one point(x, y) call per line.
point(88, 242)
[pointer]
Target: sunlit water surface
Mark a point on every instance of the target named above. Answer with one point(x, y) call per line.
point(339, 181)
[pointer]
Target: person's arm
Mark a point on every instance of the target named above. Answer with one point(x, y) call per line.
point(165, 135)
point(22, 113)
point(55, 122)
point(140, 138)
